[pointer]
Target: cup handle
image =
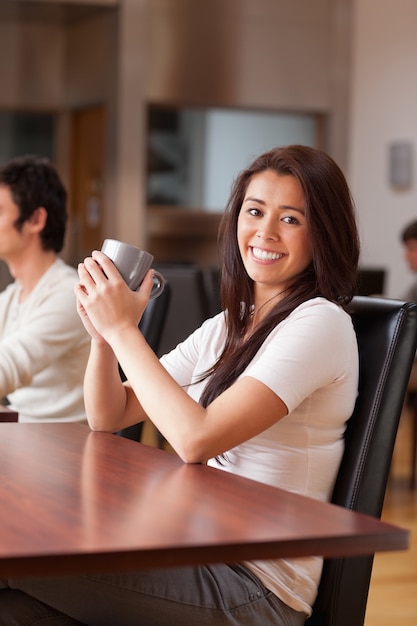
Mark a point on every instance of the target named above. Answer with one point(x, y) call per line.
point(158, 285)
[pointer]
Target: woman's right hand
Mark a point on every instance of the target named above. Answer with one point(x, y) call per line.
point(88, 325)
point(105, 302)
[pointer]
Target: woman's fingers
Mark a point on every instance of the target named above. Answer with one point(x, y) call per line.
point(146, 285)
point(96, 269)
point(106, 265)
point(105, 300)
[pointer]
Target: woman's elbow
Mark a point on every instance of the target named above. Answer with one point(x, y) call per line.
point(96, 425)
point(192, 451)
point(191, 459)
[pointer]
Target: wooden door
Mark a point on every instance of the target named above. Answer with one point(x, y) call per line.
point(88, 130)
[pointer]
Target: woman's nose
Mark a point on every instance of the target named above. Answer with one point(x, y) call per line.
point(268, 232)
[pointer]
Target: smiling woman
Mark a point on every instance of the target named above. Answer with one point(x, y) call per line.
point(242, 393)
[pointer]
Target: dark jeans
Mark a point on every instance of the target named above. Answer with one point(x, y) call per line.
point(217, 595)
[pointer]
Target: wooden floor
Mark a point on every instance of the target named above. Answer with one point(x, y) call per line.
point(393, 593)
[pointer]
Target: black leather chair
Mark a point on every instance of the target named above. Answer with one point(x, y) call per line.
point(188, 307)
point(151, 325)
point(212, 286)
point(387, 337)
point(412, 405)
point(154, 318)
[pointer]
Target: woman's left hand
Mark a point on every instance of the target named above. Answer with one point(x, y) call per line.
point(106, 299)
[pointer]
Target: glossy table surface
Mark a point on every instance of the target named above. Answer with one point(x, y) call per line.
point(76, 501)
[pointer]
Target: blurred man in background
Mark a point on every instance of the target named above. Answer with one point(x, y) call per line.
point(409, 240)
point(43, 344)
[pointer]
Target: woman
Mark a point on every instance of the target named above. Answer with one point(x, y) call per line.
point(262, 390)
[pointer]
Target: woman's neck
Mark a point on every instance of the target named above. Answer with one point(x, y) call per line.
point(260, 311)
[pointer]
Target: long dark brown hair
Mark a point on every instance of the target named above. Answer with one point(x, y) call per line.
point(334, 241)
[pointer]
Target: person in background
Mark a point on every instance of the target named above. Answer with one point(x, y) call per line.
point(263, 390)
point(409, 240)
point(43, 344)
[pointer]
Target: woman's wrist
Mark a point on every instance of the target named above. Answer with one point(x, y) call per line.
point(100, 345)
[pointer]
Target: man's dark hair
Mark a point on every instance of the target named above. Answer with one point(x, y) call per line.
point(34, 183)
point(409, 232)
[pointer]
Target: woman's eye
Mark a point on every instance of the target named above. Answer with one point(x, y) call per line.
point(254, 211)
point(290, 219)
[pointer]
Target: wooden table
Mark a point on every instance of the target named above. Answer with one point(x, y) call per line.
point(7, 415)
point(76, 501)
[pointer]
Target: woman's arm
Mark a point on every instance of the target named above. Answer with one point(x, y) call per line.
point(110, 404)
point(196, 433)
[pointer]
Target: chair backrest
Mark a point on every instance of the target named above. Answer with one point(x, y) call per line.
point(212, 286)
point(151, 325)
point(387, 338)
point(154, 318)
point(371, 281)
point(188, 306)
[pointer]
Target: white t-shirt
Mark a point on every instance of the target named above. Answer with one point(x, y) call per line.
point(310, 360)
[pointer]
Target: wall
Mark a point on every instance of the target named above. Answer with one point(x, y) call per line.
point(267, 54)
point(233, 140)
point(383, 110)
point(264, 53)
point(32, 64)
point(91, 79)
point(279, 55)
point(56, 59)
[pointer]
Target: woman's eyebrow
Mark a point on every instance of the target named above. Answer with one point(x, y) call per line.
point(286, 207)
point(253, 199)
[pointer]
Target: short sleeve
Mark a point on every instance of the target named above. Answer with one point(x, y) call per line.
point(309, 350)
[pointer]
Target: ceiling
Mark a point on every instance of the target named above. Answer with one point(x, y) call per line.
point(52, 10)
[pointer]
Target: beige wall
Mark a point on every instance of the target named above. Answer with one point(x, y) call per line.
point(32, 64)
point(91, 60)
point(130, 139)
point(384, 110)
point(271, 54)
point(255, 54)
point(281, 55)
point(91, 68)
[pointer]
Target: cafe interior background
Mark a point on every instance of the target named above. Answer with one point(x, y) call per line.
point(149, 108)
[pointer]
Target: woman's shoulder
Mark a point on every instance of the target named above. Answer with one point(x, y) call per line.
point(213, 325)
point(321, 307)
point(320, 316)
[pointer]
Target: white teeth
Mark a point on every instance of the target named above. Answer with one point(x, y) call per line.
point(263, 255)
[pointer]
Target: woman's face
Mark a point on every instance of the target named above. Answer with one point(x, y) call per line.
point(272, 233)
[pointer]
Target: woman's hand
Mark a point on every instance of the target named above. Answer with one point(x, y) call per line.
point(84, 317)
point(104, 301)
